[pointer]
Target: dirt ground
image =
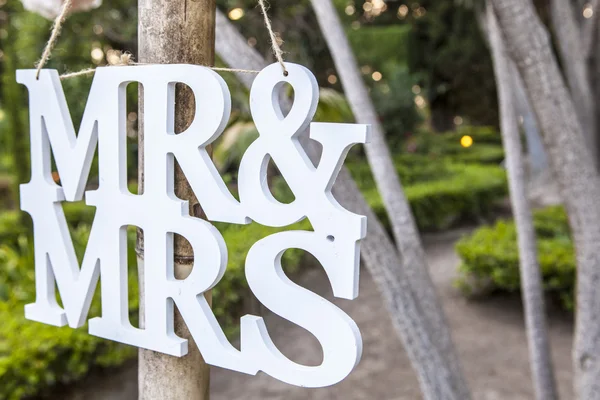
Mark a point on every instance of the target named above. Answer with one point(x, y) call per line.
point(489, 335)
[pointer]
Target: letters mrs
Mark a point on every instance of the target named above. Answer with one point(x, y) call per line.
point(335, 241)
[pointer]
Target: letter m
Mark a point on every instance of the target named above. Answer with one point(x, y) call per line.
point(52, 128)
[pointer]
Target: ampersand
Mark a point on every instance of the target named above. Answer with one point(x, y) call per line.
point(334, 226)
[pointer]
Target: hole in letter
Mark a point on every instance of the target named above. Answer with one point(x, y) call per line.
point(185, 107)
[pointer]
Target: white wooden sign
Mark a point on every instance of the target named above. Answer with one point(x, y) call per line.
point(335, 241)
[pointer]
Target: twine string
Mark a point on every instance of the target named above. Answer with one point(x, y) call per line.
point(56, 28)
point(274, 44)
point(127, 59)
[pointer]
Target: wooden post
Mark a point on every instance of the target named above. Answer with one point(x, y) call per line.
point(169, 32)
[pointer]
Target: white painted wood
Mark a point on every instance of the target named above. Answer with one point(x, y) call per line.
point(335, 241)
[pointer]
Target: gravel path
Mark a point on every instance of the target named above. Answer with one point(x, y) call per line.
point(489, 335)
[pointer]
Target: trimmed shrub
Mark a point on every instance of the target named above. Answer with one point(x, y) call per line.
point(486, 147)
point(480, 134)
point(478, 153)
point(441, 195)
point(411, 168)
point(490, 257)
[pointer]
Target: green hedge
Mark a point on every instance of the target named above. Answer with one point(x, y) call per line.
point(486, 147)
point(440, 194)
point(34, 357)
point(411, 169)
point(480, 134)
point(478, 153)
point(490, 259)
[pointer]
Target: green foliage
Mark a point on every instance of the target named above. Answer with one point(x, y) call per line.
point(440, 194)
point(392, 95)
point(10, 227)
point(447, 50)
point(490, 257)
point(333, 107)
point(33, 356)
point(373, 45)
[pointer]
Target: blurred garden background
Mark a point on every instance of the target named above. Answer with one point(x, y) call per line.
point(429, 73)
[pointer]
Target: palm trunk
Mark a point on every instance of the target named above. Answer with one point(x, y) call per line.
point(436, 375)
point(574, 169)
point(398, 209)
point(531, 283)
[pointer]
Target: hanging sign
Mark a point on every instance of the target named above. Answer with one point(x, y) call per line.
point(335, 241)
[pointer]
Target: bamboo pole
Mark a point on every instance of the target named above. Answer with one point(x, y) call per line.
point(169, 32)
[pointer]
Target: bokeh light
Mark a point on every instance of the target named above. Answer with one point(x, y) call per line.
point(236, 14)
point(466, 141)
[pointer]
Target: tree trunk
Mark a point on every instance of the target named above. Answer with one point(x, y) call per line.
point(172, 32)
point(595, 76)
point(435, 373)
point(398, 209)
point(531, 282)
point(538, 161)
point(574, 169)
point(575, 64)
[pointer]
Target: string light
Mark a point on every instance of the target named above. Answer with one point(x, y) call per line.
point(420, 101)
point(402, 11)
point(419, 12)
point(377, 76)
point(97, 55)
point(374, 8)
